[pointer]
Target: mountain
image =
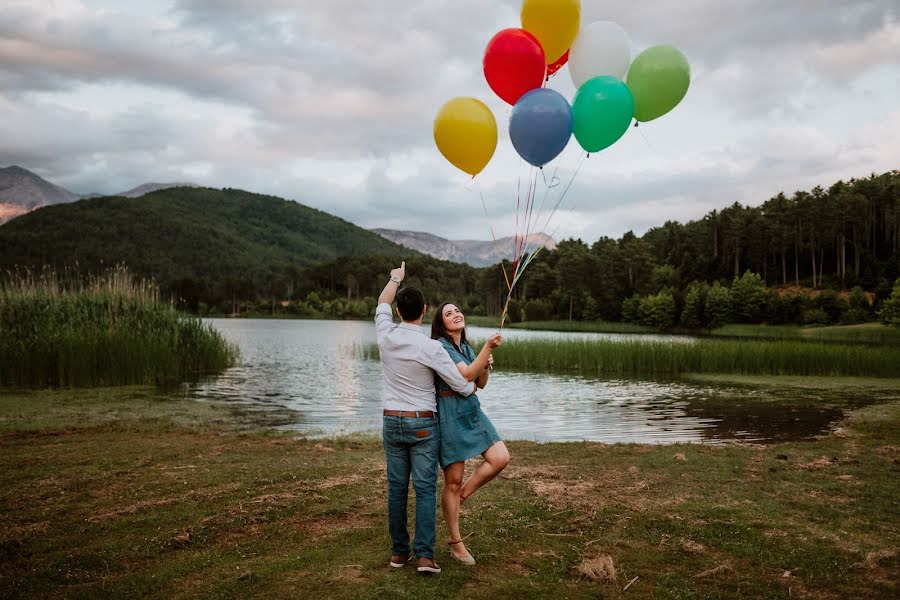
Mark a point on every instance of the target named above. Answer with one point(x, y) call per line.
point(146, 188)
point(22, 191)
point(198, 234)
point(473, 252)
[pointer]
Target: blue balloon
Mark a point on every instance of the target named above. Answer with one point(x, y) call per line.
point(540, 125)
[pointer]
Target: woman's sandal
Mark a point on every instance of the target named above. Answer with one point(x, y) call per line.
point(468, 559)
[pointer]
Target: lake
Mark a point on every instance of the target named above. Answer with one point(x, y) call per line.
point(308, 371)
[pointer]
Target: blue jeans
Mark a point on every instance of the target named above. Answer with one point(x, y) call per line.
point(411, 448)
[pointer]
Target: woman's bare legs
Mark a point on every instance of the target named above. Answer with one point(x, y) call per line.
point(495, 460)
point(453, 476)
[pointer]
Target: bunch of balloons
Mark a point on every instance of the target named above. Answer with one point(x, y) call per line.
point(518, 62)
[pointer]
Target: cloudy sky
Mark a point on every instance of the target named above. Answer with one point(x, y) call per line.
point(332, 104)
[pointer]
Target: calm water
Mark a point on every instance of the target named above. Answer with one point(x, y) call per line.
point(308, 367)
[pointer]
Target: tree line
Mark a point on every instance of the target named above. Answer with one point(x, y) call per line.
point(818, 256)
point(822, 256)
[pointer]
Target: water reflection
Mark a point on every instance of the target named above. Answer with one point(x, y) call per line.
point(306, 366)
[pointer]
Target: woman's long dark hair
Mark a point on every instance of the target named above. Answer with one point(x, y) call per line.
point(437, 326)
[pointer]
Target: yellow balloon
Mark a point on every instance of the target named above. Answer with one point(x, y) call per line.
point(554, 23)
point(466, 133)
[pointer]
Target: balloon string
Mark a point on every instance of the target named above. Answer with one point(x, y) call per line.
point(646, 141)
point(528, 208)
point(566, 190)
point(521, 265)
point(552, 185)
point(469, 184)
point(546, 194)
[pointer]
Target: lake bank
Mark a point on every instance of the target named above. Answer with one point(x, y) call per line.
point(122, 492)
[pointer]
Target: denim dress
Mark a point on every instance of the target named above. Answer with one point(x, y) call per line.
point(465, 429)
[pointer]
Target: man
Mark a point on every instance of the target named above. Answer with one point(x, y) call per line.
point(409, 360)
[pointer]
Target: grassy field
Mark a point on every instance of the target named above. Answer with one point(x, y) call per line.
point(109, 330)
point(126, 493)
point(865, 333)
point(567, 326)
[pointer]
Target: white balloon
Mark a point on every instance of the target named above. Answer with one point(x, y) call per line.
point(601, 48)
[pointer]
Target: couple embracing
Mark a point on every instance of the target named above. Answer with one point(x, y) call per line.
point(431, 416)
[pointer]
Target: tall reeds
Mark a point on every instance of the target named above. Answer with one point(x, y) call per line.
point(649, 357)
point(112, 329)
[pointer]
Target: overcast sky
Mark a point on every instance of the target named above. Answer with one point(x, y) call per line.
point(332, 104)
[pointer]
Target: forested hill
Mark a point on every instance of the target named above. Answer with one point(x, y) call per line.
point(202, 235)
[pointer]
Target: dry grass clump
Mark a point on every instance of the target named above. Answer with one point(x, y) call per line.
point(873, 559)
point(598, 568)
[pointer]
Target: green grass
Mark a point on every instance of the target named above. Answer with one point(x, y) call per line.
point(760, 357)
point(107, 330)
point(567, 326)
point(173, 499)
point(668, 358)
point(790, 381)
point(865, 333)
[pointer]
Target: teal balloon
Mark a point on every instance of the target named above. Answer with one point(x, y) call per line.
point(602, 111)
point(658, 78)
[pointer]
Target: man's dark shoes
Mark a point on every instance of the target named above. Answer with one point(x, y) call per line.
point(398, 560)
point(427, 567)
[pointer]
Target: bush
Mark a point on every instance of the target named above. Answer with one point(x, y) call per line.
point(538, 309)
point(631, 309)
point(815, 316)
point(748, 298)
point(789, 308)
point(657, 310)
point(854, 316)
point(857, 298)
point(832, 304)
point(718, 306)
point(890, 308)
point(694, 303)
point(591, 310)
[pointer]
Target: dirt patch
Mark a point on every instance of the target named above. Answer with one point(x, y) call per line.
point(692, 547)
point(598, 568)
point(333, 482)
point(820, 463)
point(20, 532)
point(517, 472)
point(352, 574)
point(115, 513)
point(204, 493)
point(566, 494)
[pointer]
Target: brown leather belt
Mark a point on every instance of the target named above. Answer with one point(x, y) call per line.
point(416, 414)
point(446, 393)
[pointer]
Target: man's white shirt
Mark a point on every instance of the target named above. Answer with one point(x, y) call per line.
point(409, 361)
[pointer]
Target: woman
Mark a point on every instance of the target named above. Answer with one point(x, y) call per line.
point(465, 429)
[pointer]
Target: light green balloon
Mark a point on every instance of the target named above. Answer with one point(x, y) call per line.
point(601, 112)
point(658, 79)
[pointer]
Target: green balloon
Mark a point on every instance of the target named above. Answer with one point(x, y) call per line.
point(658, 78)
point(602, 111)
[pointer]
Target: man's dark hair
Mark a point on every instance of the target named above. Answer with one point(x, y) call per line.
point(410, 303)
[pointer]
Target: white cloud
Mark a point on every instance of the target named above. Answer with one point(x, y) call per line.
point(331, 104)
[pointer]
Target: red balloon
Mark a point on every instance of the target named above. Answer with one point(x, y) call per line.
point(562, 60)
point(514, 63)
